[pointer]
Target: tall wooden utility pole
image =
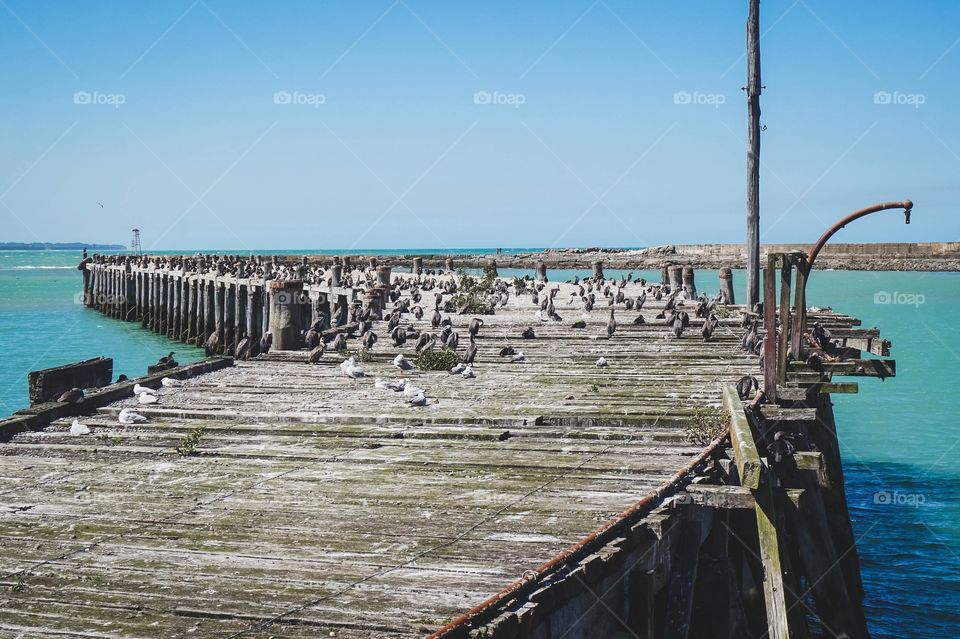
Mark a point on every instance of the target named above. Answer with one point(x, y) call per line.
point(753, 154)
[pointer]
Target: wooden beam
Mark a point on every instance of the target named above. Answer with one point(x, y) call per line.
point(774, 589)
point(782, 344)
point(855, 367)
point(741, 438)
point(769, 354)
point(730, 497)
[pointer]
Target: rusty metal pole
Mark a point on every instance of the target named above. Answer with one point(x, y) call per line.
point(801, 299)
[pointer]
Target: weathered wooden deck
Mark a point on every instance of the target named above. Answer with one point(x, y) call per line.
point(320, 504)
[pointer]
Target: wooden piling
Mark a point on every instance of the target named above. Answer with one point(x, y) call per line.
point(769, 354)
point(383, 276)
point(674, 271)
point(689, 285)
point(417, 267)
point(285, 314)
point(726, 286)
point(597, 267)
point(541, 271)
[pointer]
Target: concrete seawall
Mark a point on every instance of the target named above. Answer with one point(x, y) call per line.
point(907, 256)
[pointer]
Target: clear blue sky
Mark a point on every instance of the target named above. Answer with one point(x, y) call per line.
point(583, 141)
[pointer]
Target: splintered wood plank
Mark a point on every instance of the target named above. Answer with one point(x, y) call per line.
point(745, 452)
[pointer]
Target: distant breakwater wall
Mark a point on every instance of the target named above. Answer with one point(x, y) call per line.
point(905, 256)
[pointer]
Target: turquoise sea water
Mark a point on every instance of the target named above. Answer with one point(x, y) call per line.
point(900, 439)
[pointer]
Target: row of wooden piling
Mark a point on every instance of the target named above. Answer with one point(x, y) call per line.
point(191, 307)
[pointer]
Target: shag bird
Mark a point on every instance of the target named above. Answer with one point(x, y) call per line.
point(212, 345)
point(242, 351)
point(72, 396)
point(316, 353)
point(474, 326)
point(611, 325)
point(471, 353)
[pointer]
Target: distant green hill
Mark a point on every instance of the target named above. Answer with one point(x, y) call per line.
point(63, 246)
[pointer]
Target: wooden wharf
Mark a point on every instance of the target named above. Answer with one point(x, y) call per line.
point(551, 497)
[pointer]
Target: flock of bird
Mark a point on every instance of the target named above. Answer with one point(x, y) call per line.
point(144, 395)
point(426, 310)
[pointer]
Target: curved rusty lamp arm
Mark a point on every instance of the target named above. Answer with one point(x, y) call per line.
point(801, 301)
point(906, 205)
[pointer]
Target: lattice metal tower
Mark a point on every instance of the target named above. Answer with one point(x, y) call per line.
point(135, 243)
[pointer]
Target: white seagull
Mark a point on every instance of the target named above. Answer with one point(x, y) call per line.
point(519, 358)
point(601, 362)
point(127, 416)
point(170, 382)
point(79, 429)
point(147, 398)
point(143, 390)
point(350, 368)
point(467, 373)
point(459, 368)
point(418, 400)
point(402, 362)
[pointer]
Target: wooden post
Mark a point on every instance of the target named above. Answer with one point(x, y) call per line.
point(782, 344)
point(753, 154)
point(336, 274)
point(769, 354)
point(800, 310)
point(383, 276)
point(674, 272)
point(726, 285)
point(683, 576)
point(665, 274)
point(185, 313)
point(210, 309)
point(774, 589)
point(88, 282)
point(171, 303)
point(252, 332)
point(372, 262)
point(597, 270)
point(218, 310)
point(229, 315)
point(417, 267)
point(177, 322)
point(144, 298)
point(164, 289)
point(285, 314)
point(191, 323)
point(265, 307)
point(541, 271)
point(689, 285)
point(201, 312)
point(448, 263)
point(492, 266)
